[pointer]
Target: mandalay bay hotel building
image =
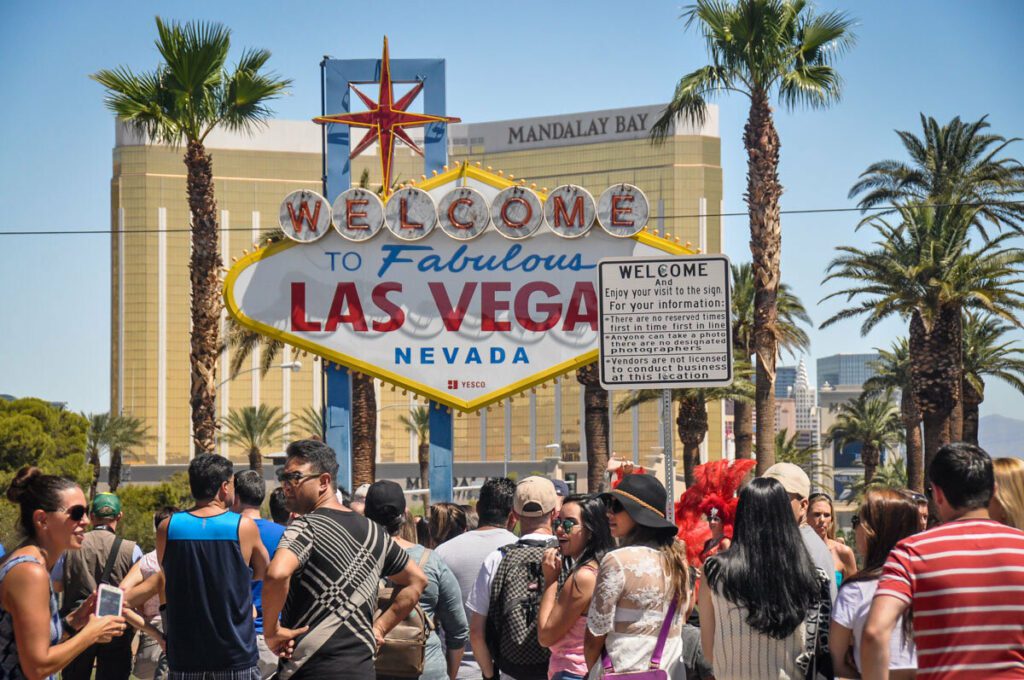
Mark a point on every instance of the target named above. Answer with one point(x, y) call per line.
point(150, 283)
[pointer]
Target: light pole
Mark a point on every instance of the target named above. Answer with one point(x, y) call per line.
point(294, 366)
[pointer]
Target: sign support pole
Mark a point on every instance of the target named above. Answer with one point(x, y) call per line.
point(670, 471)
point(441, 454)
point(338, 420)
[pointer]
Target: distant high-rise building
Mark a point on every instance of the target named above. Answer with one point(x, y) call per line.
point(806, 398)
point(785, 378)
point(845, 369)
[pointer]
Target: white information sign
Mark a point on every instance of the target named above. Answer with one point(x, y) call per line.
point(664, 322)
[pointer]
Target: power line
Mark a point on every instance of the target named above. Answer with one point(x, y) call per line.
point(809, 211)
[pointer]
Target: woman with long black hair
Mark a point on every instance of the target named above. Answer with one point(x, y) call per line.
point(641, 597)
point(581, 528)
point(757, 594)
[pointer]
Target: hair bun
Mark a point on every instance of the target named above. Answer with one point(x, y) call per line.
point(21, 481)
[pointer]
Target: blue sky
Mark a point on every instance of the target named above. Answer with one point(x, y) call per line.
point(504, 60)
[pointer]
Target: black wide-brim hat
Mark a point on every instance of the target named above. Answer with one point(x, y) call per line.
point(644, 499)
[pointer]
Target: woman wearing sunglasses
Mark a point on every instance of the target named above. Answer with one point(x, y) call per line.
point(53, 519)
point(821, 516)
point(886, 517)
point(641, 598)
point(581, 528)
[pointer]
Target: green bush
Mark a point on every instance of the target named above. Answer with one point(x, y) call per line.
point(139, 502)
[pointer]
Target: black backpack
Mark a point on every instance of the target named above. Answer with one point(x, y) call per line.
point(512, 611)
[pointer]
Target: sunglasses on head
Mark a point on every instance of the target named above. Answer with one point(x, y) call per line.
point(75, 512)
point(566, 524)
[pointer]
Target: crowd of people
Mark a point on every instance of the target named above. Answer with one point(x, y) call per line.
point(531, 583)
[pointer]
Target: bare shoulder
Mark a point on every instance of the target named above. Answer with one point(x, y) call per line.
point(29, 573)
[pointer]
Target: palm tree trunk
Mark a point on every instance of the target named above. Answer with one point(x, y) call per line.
point(761, 141)
point(255, 460)
point(94, 460)
point(869, 456)
point(911, 417)
point(743, 428)
point(956, 422)
point(424, 457)
point(204, 269)
point(972, 400)
point(114, 472)
point(934, 360)
point(364, 430)
point(595, 425)
point(692, 426)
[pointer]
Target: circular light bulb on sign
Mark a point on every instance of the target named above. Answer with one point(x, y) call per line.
point(517, 212)
point(358, 214)
point(410, 214)
point(623, 210)
point(570, 211)
point(305, 216)
point(462, 213)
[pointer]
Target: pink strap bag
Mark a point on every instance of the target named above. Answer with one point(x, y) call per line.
point(654, 671)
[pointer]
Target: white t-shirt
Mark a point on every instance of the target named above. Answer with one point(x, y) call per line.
point(851, 611)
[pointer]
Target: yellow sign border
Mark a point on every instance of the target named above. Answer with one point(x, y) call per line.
point(463, 170)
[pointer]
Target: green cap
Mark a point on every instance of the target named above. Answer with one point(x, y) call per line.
point(106, 505)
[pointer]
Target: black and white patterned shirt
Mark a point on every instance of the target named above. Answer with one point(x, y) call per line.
point(342, 557)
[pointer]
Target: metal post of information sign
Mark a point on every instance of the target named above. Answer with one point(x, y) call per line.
point(670, 468)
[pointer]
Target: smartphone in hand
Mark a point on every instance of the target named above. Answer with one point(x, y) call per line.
point(109, 600)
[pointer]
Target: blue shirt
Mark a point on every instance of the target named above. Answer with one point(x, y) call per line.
point(209, 596)
point(270, 535)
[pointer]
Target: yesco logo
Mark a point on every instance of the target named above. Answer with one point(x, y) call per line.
point(463, 213)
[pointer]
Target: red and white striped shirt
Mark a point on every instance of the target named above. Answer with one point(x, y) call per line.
point(965, 583)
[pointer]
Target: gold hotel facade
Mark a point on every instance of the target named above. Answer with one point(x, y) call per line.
point(150, 284)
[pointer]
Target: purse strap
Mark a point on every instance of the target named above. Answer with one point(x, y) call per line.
point(659, 647)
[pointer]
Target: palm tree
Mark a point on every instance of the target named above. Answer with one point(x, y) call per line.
point(892, 373)
point(692, 417)
point(952, 162)
point(790, 336)
point(986, 352)
point(189, 95)
point(874, 422)
point(417, 422)
point(309, 423)
point(789, 450)
point(595, 426)
point(96, 438)
point(123, 433)
point(254, 428)
point(890, 475)
point(927, 269)
point(762, 48)
point(364, 429)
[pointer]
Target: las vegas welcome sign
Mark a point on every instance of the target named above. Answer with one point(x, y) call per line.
point(468, 311)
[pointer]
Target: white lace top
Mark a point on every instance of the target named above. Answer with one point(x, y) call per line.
point(631, 599)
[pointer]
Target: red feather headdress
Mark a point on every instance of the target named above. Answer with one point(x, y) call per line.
point(714, 488)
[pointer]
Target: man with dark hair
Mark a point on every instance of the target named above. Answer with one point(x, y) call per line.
point(324, 576)
point(250, 490)
point(206, 555)
point(103, 558)
point(963, 579)
point(466, 552)
point(279, 507)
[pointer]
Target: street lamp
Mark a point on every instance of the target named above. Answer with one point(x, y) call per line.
point(294, 366)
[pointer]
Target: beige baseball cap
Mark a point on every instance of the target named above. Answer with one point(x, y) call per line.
point(792, 477)
point(535, 497)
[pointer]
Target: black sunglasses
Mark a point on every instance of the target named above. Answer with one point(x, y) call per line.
point(566, 524)
point(294, 478)
point(615, 507)
point(854, 521)
point(75, 512)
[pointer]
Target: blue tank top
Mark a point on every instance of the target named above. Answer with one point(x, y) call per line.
point(209, 601)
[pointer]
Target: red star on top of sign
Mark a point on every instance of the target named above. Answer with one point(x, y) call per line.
point(386, 119)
